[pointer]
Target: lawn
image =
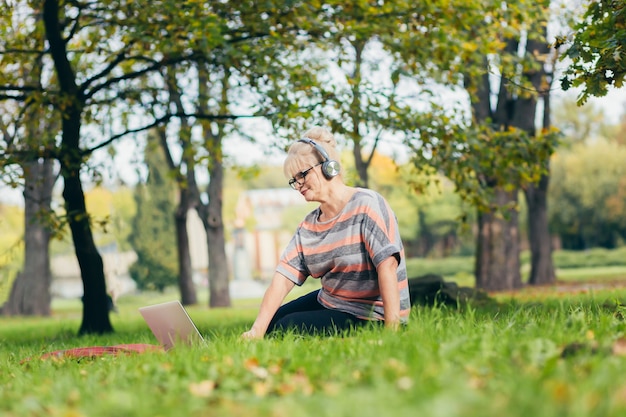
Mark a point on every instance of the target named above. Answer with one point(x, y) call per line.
point(561, 354)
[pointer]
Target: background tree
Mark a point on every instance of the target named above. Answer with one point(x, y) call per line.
point(101, 57)
point(578, 124)
point(588, 189)
point(153, 226)
point(184, 173)
point(588, 195)
point(495, 52)
point(235, 67)
point(538, 72)
point(30, 293)
point(27, 134)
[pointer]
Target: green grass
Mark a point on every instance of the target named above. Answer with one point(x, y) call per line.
point(494, 359)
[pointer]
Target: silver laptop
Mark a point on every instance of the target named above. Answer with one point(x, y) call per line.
point(171, 324)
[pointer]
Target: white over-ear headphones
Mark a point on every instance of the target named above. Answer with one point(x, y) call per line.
point(330, 167)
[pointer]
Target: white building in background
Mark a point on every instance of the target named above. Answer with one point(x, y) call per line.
point(262, 246)
point(253, 254)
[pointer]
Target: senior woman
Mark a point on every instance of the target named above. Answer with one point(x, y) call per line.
point(350, 242)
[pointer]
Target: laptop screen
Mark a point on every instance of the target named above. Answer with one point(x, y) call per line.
point(171, 324)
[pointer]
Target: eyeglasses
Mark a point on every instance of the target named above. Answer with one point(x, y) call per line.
point(298, 179)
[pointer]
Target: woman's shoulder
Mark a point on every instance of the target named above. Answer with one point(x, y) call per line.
point(366, 194)
point(370, 200)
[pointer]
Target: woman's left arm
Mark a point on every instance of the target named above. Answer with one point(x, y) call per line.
point(388, 284)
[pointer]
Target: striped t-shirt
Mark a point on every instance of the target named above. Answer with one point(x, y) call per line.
point(344, 253)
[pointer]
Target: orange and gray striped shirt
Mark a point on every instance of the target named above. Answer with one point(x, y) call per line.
point(344, 253)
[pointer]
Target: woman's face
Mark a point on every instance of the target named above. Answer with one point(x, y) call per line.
point(307, 181)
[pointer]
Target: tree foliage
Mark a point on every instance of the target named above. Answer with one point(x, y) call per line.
point(597, 50)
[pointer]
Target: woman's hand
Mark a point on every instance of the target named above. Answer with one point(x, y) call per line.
point(251, 334)
point(274, 295)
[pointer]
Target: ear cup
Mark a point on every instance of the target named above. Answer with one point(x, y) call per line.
point(330, 167)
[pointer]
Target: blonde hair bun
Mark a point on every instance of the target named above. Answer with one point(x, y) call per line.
point(321, 135)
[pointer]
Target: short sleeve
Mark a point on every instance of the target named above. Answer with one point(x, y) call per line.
point(380, 232)
point(291, 263)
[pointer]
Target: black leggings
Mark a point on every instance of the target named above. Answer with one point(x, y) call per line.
point(306, 315)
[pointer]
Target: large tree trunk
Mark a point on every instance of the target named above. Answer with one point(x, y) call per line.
point(498, 240)
point(30, 293)
point(95, 300)
point(497, 262)
point(497, 251)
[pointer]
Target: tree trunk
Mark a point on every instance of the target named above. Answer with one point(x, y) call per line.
point(30, 293)
point(360, 164)
point(185, 272)
point(497, 250)
point(188, 191)
point(211, 213)
point(542, 268)
point(95, 300)
point(219, 294)
point(497, 262)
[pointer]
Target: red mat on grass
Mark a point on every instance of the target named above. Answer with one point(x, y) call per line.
point(93, 351)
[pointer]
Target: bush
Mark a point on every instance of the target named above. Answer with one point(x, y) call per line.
point(590, 258)
point(564, 259)
point(445, 267)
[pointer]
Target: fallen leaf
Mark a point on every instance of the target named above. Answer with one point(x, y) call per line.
point(251, 363)
point(202, 389)
point(405, 383)
point(261, 388)
point(619, 347)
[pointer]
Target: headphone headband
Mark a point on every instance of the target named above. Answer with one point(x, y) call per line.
point(330, 167)
point(319, 148)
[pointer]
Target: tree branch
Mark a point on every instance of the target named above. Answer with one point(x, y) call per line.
point(163, 119)
point(130, 76)
point(113, 138)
